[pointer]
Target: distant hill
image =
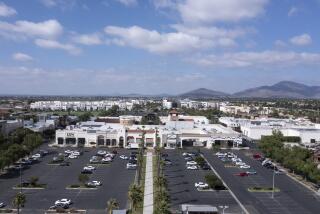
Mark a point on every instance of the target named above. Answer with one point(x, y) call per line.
point(284, 89)
point(203, 93)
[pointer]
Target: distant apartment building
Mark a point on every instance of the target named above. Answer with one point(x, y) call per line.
point(85, 105)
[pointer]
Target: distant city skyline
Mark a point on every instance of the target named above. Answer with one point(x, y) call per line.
point(110, 47)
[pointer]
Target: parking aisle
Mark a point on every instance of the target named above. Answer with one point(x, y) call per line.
point(182, 190)
point(256, 202)
point(115, 180)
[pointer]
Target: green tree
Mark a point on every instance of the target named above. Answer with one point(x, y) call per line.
point(213, 181)
point(112, 204)
point(85, 116)
point(83, 178)
point(135, 195)
point(19, 201)
point(200, 161)
point(34, 180)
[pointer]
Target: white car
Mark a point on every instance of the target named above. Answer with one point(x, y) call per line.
point(76, 153)
point(72, 156)
point(240, 163)
point(131, 166)
point(191, 163)
point(194, 167)
point(106, 160)
point(123, 157)
point(245, 167)
point(97, 183)
point(2, 205)
point(63, 201)
point(94, 183)
point(36, 156)
point(68, 151)
point(201, 185)
point(101, 152)
point(89, 168)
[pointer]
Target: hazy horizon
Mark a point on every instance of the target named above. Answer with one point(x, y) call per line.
point(150, 47)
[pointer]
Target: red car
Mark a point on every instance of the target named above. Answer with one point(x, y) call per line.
point(241, 174)
point(256, 156)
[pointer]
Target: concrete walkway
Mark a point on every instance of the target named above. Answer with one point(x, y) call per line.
point(148, 186)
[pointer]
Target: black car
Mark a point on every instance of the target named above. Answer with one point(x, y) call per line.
point(205, 167)
point(86, 172)
point(64, 164)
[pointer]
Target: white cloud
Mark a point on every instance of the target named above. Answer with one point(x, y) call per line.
point(128, 2)
point(21, 57)
point(209, 11)
point(23, 29)
point(161, 4)
point(62, 4)
point(280, 44)
point(6, 11)
point(293, 10)
point(88, 39)
point(156, 42)
point(52, 44)
point(185, 40)
point(266, 59)
point(212, 32)
point(301, 40)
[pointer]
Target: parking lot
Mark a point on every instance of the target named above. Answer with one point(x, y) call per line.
point(115, 180)
point(182, 190)
point(292, 198)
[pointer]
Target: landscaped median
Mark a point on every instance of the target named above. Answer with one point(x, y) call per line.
point(213, 183)
point(263, 189)
point(84, 185)
point(160, 186)
point(31, 184)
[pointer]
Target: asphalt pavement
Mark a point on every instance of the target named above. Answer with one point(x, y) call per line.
point(292, 198)
point(115, 180)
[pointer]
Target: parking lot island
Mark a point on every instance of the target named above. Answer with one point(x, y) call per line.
point(148, 186)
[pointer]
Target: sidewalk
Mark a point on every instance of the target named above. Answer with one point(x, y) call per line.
point(148, 186)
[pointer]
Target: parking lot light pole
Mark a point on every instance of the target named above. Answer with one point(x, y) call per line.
point(223, 208)
point(272, 195)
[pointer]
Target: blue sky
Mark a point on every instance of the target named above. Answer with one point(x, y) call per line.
point(156, 46)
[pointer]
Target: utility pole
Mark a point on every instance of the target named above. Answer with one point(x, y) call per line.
point(272, 196)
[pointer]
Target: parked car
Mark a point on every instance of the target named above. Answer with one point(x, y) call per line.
point(167, 162)
point(89, 168)
point(86, 171)
point(191, 163)
point(64, 164)
point(96, 183)
point(205, 167)
point(56, 206)
point(106, 160)
point(279, 172)
point(131, 166)
point(193, 167)
point(245, 167)
point(241, 174)
point(201, 185)
point(37, 156)
point(63, 201)
point(188, 158)
point(2, 204)
point(101, 153)
point(251, 172)
point(123, 157)
point(72, 156)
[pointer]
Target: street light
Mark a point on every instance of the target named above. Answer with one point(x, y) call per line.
point(223, 208)
point(272, 195)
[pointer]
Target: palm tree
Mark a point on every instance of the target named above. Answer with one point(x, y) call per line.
point(135, 195)
point(112, 204)
point(19, 200)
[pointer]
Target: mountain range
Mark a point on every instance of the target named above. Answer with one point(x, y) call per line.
point(283, 89)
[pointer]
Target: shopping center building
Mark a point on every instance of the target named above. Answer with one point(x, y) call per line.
point(176, 131)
